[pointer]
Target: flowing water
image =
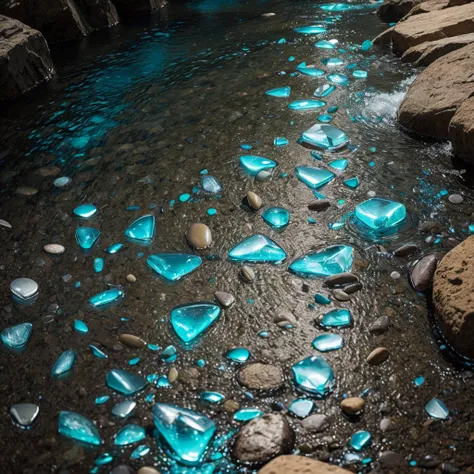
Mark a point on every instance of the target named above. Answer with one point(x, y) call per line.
point(133, 116)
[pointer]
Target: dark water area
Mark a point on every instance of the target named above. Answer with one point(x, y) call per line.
point(133, 115)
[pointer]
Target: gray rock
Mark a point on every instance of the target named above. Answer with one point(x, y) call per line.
point(352, 288)
point(380, 325)
point(341, 279)
point(54, 249)
point(386, 424)
point(247, 273)
point(285, 316)
point(319, 205)
point(430, 226)
point(341, 295)
point(422, 273)
point(447, 468)
point(405, 250)
point(262, 377)
point(315, 423)
point(392, 459)
point(24, 288)
point(24, 414)
point(378, 356)
point(226, 300)
point(456, 198)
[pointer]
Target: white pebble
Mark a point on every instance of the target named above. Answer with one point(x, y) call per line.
point(395, 275)
point(371, 194)
point(54, 249)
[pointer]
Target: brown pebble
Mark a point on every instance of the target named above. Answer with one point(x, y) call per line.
point(378, 356)
point(26, 191)
point(172, 375)
point(132, 341)
point(247, 273)
point(199, 236)
point(231, 406)
point(353, 405)
point(254, 200)
point(131, 278)
point(148, 470)
point(319, 206)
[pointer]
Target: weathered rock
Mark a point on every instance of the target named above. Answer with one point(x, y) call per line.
point(131, 278)
point(299, 465)
point(380, 325)
point(384, 38)
point(430, 226)
point(319, 205)
point(422, 274)
point(341, 279)
point(461, 131)
point(315, 423)
point(453, 296)
point(26, 191)
point(378, 356)
point(262, 377)
point(132, 341)
point(285, 316)
point(199, 236)
point(25, 61)
point(226, 300)
point(263, 439)
point(147, 470)
point(405, 250)
point(392, 459)
point(254, 200)
point(231, 406)
point(353, 405)
point(394, 10)
point(426, 7)
point(173, 375)
point(341, 295)
point(352, 288)
point(137, 7)
point(247, 273)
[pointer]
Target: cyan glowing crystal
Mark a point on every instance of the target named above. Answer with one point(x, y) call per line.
point(238, 354)
point(324, 44)
point(276, 217)
point(142, 229)
point(437, 409)
point(332, 61)
point(301, 407)
point(98, 264)
point(366, 45)
point(124, 409)
point(189, 321)
point(78, 427)
point(140, 451)
point(339, 165)
point(85, 210)
point(247, 414)
point(310, 71)
point(114, 248)
point(86, 237)
point(327, 342)
point(125, 382)
point(64, 363)
point(129, 434)
point(314, 376)
point(337, 318)
point(211, 397)
point(107, 297)
point(359, 74)
point(210, 184)
point(360, 440)
point(310, 30)
point(309, 104)
point(17, 336)
point(254, 164)
point(183, 433)
point(352, 183)
point(280, 141)
point(338, 79)
point(314, 178)
point(81, 326)
point(173, 266)
point(325, 118)
point(325, 137)
point(380, 214)
point(279, 92)
point(257, 249)
point(324, 90)
point(97, 352)
point(321, 299)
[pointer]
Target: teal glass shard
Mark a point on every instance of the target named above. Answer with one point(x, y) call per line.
point(313, 375)
point(324, 90)
point(280, 141)
point(17, 336)
point(309, 104)
point(419, 381)
point(129, 434)
point(333, 109)
point(210, 184)
point(279, 92)
point(173, 266)
point(324, 44)
point(85, 210)
point(163, 382)
point(98, 264)
point(332, 61)
point(140, 451)
point(123, 409)
point(358, 74)
point(311, 30)
point(191, 320)
point(64, 363)
point(316, 156)
point(114, 248)
point(246, 146)
point(254, 164)
point(257, 249)
point(184, 197)
point(86, 237)
point(211, 397)
point(352, 183)
point(103, 459)
point(211, 211)
point(97, 352)
point(247, 414)
point(238, 354)
point(314, 178)
point(107, 297)
point(338, 79)
point(81, 326)
point(360, 440)
point(325, 118)
point(184, 434)
point(337, 318)
point(142, 229)
point(380, 214)
point(125, 382)
point(321, 299)
point(437, 409)
point(102, 400)
point(310, 71)
point(301, 407)
point(169, 354)
point(281, 41)
point(339, 165)
point(366, 45)
point(78, 427)
point(276, 217)
point(328, 342)
point(325, 137)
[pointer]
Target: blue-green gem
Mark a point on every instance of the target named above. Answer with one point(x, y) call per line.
point(102, 400)
point(314, 178)
point(184, 197)
point(81, 326)
point(327, 342)
point(247, 414)
point(85, 210)
point(380, 214)
point(211, 211)
point(238, 354)
point(324, 44)
point(211, 397)
point(103, 459)
point(173, 266)
point(107, 297)
point(17, 336)
point(124, 409)
point(279, 92)
point(64, 363)
point(163, 382)
point(78, 427)
point(142, 229)
point(129, 434)
point(366, 45)
point(360, 440)
point(301, 407)
point(419, 381)
point(86, 237)
point(97, 352)
point(337, 318)
point(314, 376)
point(352, 183)
point(310, 71)
point(98, 264)
point(308, 104)
point(134, 361)
point(210, 184)
point(254, 164)
point(339, 165)
point(358, 74)
point(325, 118)
point(276, 217)
point(324, 137)
point(333, 109)
point(437, 409)
point(310, 30)
point(321, 299)
point(114, 248)
point(338, 79)
point(140, 451)
point(125, 382)
point(332, 61)
point(280, 141)
point(169, 354)
point(257, 249)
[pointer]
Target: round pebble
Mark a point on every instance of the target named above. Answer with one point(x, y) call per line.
point(395, 275)
point(263, 175)
point(353, 405)
point(319, 205)
point(132, 341)
point(148, 470)
point(371, 194)
point(247, 273)
point(173, 375)
point(131, 278)
point(378, 356)
point(254, 200)
point(341, 295)
point(456, 198)
point(54, 249)
point(199, 236)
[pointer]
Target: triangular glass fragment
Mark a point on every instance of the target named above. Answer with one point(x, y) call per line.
point(325, 137)
point(64, 363)
point(313, 375)
point(254, 164)
point(279, 92)
point(125, 382)
point(257, 249)
point(339, 165)
point(352, 183)
point(173, 266)
point(324, 90)
point(86, 237)
point(142, 229)
point(314, 178)
point(78, 427)
point(380, 214)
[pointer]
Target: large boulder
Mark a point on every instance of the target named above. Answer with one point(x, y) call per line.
point(299, 465)
point(426, 7)
point(437, 93)
point(25, 61)
point(394, 10)
point(453, 296)
point(137, 7)
point(461, 131)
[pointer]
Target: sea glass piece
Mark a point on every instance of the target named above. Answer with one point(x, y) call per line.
point(24, 414)
point(98, 264)
point(314, 178)
point(314, 376)
point(380, 214)
point(419, 381)
point(325, 137)
point(129, 434)
point(114, 248)
point(173, 266)
point(309, 104)
point(169, 354)
point(64, 363)
point(257, 249)
point(359, 74)
point(333, 109)
point(191, 320)
point(437, 409)
point(325, 118)
point(352, 183)
point(339, 165)
point(301, 407)
point(81, 326)
point(184, 434)
point(211, 397)
point(103, 459)
point(324, 90)
point(124, 409)
point(310, 30)
point(62, 181)
point(86, 237)
point(337, 318)
point(336, 7)
point(276, 217)
point(238, 354)
point(332, 61)
point(85, 210)
point(280, 141)
point(254, 164)
point(17, 336)
point(279, 92)
point(97, 352)
point(310, 71)
point(125, 382)
point(325, 44)
point(366, 45)
point(142, 229)
point(360, 440)
point(211, 184)
point(247, 414)
point(24, 288)
point(101, 400)
point(321, 299)
point(78, 427)
point(107, 297)
point(327, 342)
point(140, 451)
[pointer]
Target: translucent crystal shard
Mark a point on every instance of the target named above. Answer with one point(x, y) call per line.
point(254, 164)
point(24, 288)
point(338, 79)
point(280, 141)
point(64, 363)
point(211, 397)
point(183, 433)
point(332, 61)
point(191, 320)
point(114, 248)
point(238, 354)
point(309, 104)
point(279, 92)
point(380, 214)
point(142, 229)
point(125, 382)
point(366, 45)
point(276, 217)
point(324, 90)
point(352, 183)
point(78, 427)
point(257, 249)
point(337, 318)
point(210, 184)
point(301, 407)
point(314, 178)
point(107, 297)
point(360, 440)
point(169, 354)
point(98, 264)
point(358, 74)
point(310, 71)
point(129, 434)
point(140, 451)
point(339, 165)
point(97, 352)
point(173, 266)
point(325, 137)
point(314, 376)
point(17, 336)
point(123, 409)
point(330, 261)
point(325, 118)
point(327, 342)
point(310, 30)
point(324, 44)
point(24, 414)
point(437, 409)
point(86, 237)
point(247, 414)
point(81, 326)
point(85, 210)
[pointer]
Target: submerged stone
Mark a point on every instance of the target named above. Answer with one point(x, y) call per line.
point(314, 178)
point(325, 137)
point(309, 104)
point(352, 183)
point(380, 214)
point(125, 382)
point(210, 184)
point(328, 342)
point(339, 165)
point(314, 376)
point(254, 164)
point(276, 217)
point(24, 288)
point(238, 354)
point(61, 182)
point(301, 407)
point(24, 414)
point(310, 71)
point(78, 427)
point(183, 433)
point(279, 92)
point(360, 440)
point(437, 409)
point(86, 237)
point(338, 79)
point(324, 90)
point(247, 414)
point(257, 249)
point(85, 210)
point(142, 229)
point(107, 297)
point(129, 434)
point(64, 363)
point(17, 336)
point(190, 321)
point(311, 30)
point(280, 141)
point(123, 409)
point(337, 318)
point(173, 266)
point(211, 397)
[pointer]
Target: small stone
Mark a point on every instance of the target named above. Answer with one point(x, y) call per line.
point(315, 423)
point(247, 273)
point(131, 278)
point(341, 279)
point(148, 470)
point(255, 202)
point(262, 377)
point(48, 171)
point(268, 15)
point(456, 198)
point(231, 406)
point(353, 405)
point(26, 191)
point(285, 317)
point(263, 175)
point(447, 468)
point(395, 276)
point(319, 205)
point(199, 236)
point(371, 194)
point(422, 273)
point(341, 295)
point(386, 424)
point(172, 375)
point(380, 325)
point(226, 300)
point(430, 227)
point(54, 249)
point(132, 341)
point(352, 288)
point(391, 459)
point(4, 223)
point(121, 469)
point(406, 250)
point(378, 356)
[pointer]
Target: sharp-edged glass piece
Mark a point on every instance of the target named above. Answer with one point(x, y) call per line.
point(24, 414)
point(17, 336)
point(359, 74)
point(360, 440)
point(98, 264)
point(325, 118)
point(332, 61)
point(324, 90)
point(314, 376)
point(325, 137)
point(352, 183)
point(325, 44)
point(327, 342)
point(97, 352)
point(321, 299)
point(238, 354)
point(124, 409)
point(211, 184)
point(125, 382)
point(173, 266)
point(276, 217)
point(78, 427)
point(129, 434)
point(247, 414)
point(280, 141)
point(211, 397)
point(114, 248)
point(86, 237)
point(64, 363)
point(142, 229)
point(103, 459)
point(169, 354)
point(437, 409)
point(81, 326)
point(310, 71)
point(311, 30)
point(314, 178)
point(380, 214)
point(107, 297)
point(257, 249)
point(254, 164)
point(339, 165)
point(279, 92)
point(337, 318)
point(338, 79)
point(140, 451)
point(308, 104)
point(85, 210)
point(301, 407)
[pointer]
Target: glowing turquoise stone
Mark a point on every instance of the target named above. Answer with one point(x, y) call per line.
point(419, 381)
point(98, 264)
point(321, 299)
point(360, 440)
point(338, 79)
point(85, 210)
point(17, 336)
point(339, 165)
point(301, 407)
point(78, 427)
point(238, 354)
point(325, 118)
point(86, 237)
point(325, 137)
point(279, 92)
point(314, 376)
point(125, 382)
point(129, 434)
point(337, 318)
point(210, 184)
point(142, 229)
point(380, 214)
point(333, 109)
point(437, 409)
point(257, 249)
point(106, 297)
point(358, 74)
point(169, 354)
point(332, 61)
point(254, 164)
point(103, 459)
point(330, 261)
point(184, 197)
point(309, 104)
point(324, 44)
point(123, 409)
point(102, 400)
point(314, 178)
point(327, 342)
point(64, 363)
point(190, 321)
point(280, 141)
point(140, 451)
point(310, 30)
point(276, 217)
point(114, 248)
point(173, 266)
point(324, 90)
point(247, 414)
point(211, 397)
point(352, 183)
point(311, 71)
point(211, 211)
point(97, 352)
point(81, 326)
point(336, 7)
point(366, 45)
point(184, 434)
